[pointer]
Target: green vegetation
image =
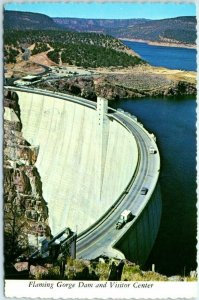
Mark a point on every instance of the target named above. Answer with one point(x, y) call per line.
point(10, 54)
point(40, 47)
point(185, 36)
point(15, 238)
point(54, 56)
point(93, 56)
point(78, 269)
point(58, 38)
point(133, 273)
point(74, 48)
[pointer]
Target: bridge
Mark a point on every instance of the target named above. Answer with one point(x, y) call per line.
point(109, 163)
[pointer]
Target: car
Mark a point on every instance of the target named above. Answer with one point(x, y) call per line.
point(152, 150)
point(144, 191)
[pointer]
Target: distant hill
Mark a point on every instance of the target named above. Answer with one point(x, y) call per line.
point(177, 30)
point(97, 25)
point(181, 29)
point(172, 30)
point(27, 20)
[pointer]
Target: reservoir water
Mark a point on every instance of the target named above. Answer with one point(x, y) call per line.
point(173, 122)
point(169, 57)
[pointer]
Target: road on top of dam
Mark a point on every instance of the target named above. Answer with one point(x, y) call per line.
point(100, 241)
point(100, 238)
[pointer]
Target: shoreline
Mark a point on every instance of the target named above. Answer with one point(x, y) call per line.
point(162, 44)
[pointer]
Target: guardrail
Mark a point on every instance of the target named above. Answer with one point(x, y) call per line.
point(67, 97)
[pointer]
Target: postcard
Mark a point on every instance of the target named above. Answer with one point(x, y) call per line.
point(99, 150)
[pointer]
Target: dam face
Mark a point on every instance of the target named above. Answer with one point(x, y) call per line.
point(82, 173)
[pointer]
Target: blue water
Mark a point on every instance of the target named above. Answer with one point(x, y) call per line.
point(172, 120)
point(169, 57)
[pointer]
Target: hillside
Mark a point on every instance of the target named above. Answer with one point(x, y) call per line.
point(72, 48)
point(180, 30)
point(27, 20)
point(172, 30)
point(96, 25)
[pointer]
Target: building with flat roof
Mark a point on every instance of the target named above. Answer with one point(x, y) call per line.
point(31, 78)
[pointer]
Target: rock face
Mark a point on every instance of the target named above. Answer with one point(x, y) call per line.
point(81, 86)
point(24, 206)
point(120, 86)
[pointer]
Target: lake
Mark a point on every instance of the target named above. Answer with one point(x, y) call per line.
point(169, 57)
point(172, 120)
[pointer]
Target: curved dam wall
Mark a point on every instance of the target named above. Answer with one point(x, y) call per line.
point(68, 134)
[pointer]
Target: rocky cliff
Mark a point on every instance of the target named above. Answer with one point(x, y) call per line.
point(145, 81)
point(25, 210)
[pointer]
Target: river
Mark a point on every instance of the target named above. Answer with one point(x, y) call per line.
point(172, 120)
point(169, 57)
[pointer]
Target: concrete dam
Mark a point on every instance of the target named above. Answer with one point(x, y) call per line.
point(93, 163)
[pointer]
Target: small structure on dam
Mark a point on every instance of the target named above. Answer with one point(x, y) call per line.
point(93, 165)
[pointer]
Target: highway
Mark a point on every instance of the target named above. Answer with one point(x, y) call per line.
point(99, 239)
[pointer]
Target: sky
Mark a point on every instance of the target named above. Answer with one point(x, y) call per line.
point(107, 10)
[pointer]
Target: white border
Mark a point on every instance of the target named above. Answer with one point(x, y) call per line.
point(90, 289)
point(160, 290)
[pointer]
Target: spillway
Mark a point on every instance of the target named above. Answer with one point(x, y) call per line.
point(82, 173)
